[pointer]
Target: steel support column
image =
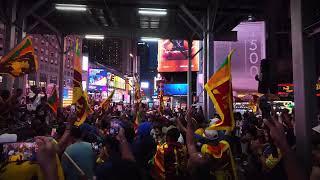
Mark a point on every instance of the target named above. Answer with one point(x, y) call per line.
point(9, 40)
point(20, 82)
point(210, 71)
point(189, 73)
point(210, 61)
point(61, 70)
point(304, 78)
point(204, 71)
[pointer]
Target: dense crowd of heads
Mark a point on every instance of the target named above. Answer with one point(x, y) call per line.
point(112, 144)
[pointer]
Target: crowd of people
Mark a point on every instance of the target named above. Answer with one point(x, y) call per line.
point(170, 144)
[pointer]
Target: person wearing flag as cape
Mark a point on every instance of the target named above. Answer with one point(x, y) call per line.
point(215, 154)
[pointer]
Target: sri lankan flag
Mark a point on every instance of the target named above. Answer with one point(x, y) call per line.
point(219, 88)
point(161, 102)
point(20, 60)
point(106, 103)
point(53, 100)
point(225, 167)
point(138, 99)
point(79, 98)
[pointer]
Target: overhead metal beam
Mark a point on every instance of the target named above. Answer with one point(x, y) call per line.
point(136, 33)
point(193, 18)
point(110, 15)
point(31, 27)
point(51, 27)
point(46, 23)
point(189, 25)
point(31, 10)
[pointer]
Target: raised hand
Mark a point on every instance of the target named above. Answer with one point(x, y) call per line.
point(277, 134)
point(46, 157)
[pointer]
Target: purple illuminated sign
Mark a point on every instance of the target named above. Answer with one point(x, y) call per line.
point(250, 50)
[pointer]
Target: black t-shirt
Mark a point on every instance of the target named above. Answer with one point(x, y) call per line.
point(118, 169)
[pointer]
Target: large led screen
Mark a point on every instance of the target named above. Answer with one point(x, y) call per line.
point(173, 55)
point(175, 89)
point(97, 79)
point(249, 51)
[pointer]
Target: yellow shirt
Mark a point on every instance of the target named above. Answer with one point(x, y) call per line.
point(26, 170)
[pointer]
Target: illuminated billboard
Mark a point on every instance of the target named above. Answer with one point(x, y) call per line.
point(173, 55)
point(97, 79)
point(175, 89)
point(249, 51)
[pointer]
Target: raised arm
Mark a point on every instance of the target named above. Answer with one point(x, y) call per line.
point(125, 150)
point(293, 170)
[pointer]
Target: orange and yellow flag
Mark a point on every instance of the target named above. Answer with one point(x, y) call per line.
point(106, 103)
point(20, 60)
point(79, 98)
point(161, 102)
point(219, 88)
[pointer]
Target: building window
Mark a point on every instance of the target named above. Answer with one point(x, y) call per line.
point(53, 79)
point(31, 83)
point(41, 58)
point(42, 51)
point(42, 42)
point(51, 61)
point(42, 84)
point(56, 55)
point(46, 59)
point(56, 61)
point(47, 52)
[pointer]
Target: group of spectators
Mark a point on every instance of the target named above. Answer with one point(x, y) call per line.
point(171, 144)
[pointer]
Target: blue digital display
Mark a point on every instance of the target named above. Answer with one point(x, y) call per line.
point(175, 89)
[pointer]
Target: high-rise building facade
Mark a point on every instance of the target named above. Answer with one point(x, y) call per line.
point(47, 50)
point(112, 52)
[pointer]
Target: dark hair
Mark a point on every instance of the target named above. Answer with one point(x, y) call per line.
point(173, 134)
point(75, 132)
point(5, 94)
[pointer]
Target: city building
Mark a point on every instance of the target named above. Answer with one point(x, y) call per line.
point(148, 66)
point(112, 52)
point(46, 48)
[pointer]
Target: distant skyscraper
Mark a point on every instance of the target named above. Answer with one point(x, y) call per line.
point(106, 52)
point(114, 53)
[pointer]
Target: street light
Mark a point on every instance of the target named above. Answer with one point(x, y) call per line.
point(99, 37)
point(71, 7)
point(152, 11)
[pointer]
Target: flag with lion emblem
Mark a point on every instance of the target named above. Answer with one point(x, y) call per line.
point(79, 99)
point(20, 60)
point(219, 88)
